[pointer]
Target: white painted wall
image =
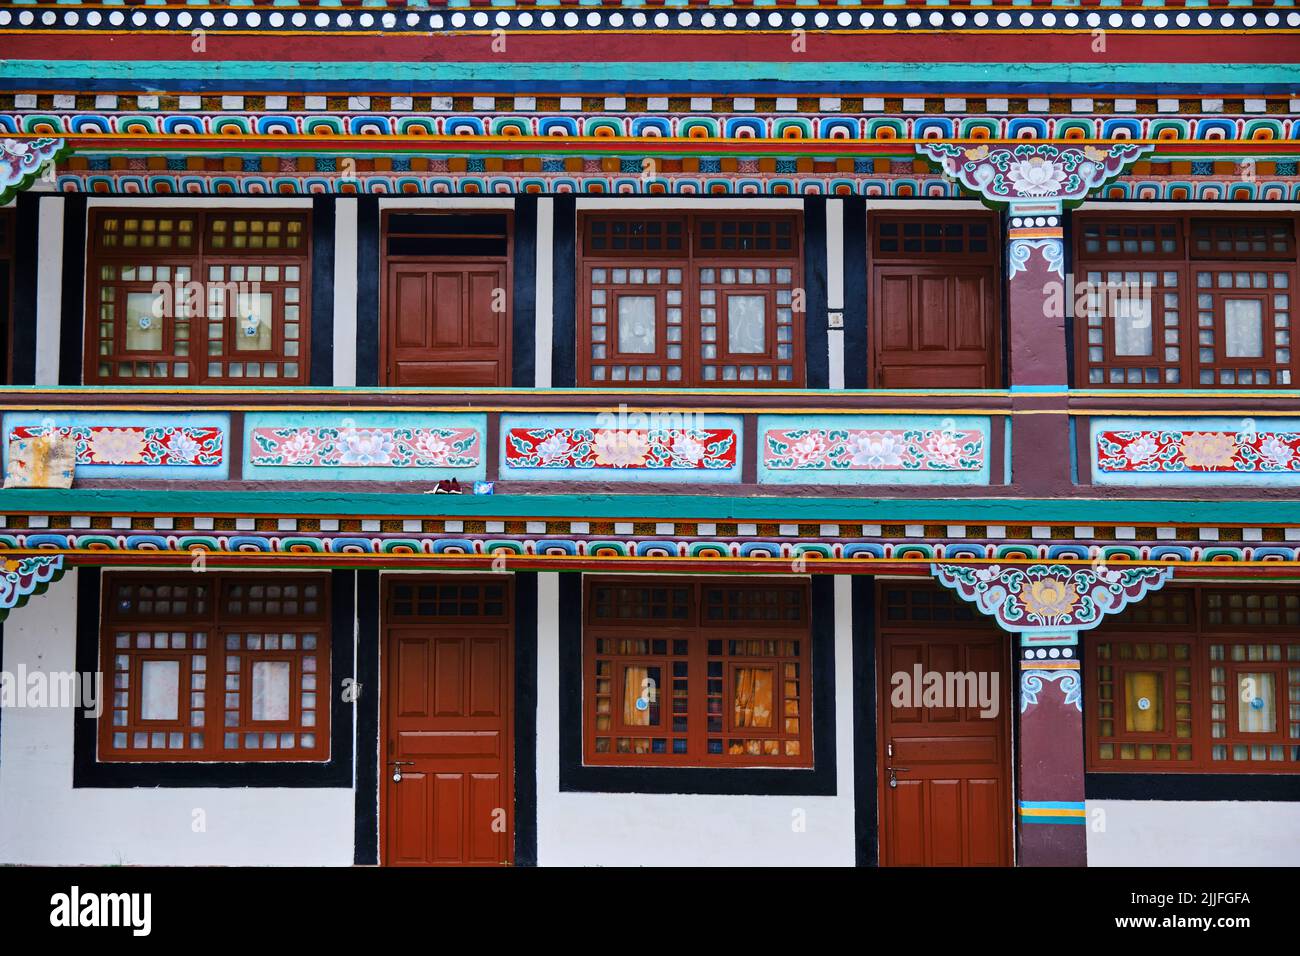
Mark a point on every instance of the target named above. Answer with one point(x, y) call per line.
point(43, 820)
point(603, 829)
point(1194, 833)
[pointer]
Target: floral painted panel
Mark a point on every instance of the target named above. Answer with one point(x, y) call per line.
point(1198, 451)
point(873, 449)
point(334, 446)
point(602, 448)
point(140, 445)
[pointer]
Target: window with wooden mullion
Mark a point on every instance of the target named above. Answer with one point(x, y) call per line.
point(197, 297)
point(231, 668)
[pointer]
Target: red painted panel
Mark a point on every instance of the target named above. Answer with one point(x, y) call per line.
point(413, 678)
point(448, 680)
point(448, 818)
point(487, 815)
point(410, 305)
point(485, 678)
point(943, 808)
point(448, 308)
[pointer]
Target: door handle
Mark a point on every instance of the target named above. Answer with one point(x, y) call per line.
point(397, 773)
point(893, 771)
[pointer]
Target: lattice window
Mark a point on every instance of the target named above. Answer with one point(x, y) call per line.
point(673, 676)
point(926, 604)
point(243, 678)
point(899, 238)
point(1175, 316)
point(200, 298)
point(1243, 326)
point(449, 600)
point(637, 330)
point(1219, 692)
point(747, 324)
point(691, 300)
point(1144, 701)
point(1134, 327)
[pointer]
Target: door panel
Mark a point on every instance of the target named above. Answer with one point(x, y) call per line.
point(934, 327)
point(448, 717)
point(952, 802)
point(448, 323)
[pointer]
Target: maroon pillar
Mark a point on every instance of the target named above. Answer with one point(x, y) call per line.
point(1051, 826)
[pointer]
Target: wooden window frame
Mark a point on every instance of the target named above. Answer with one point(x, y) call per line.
point(1201, 636)
point(199, 259)
point(691, 259)
point(387, 348)
point(687, 641)
point(1186, 261)
point(217, 622)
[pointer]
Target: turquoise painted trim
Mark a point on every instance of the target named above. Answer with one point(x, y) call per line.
point(1105, 72)
point(1019, 389)
point(1187, 423)
point(345, 419)
point(681, 506)
point(874, 455)
point(196, 419)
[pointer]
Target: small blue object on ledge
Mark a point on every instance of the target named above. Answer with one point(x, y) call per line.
point(483, 487)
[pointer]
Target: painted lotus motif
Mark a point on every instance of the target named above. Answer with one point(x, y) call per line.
point(137, 445)
point(1050, 598)
point(355, 447)
point(584, 448)
point(1036, 177)
point(1197, 451)
point(873, 449)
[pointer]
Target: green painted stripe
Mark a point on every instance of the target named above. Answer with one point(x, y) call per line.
point(678, 506)
point(1103, 71)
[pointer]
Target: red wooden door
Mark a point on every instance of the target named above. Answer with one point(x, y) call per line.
point(448, 702)
point(951, 802)
point(448, 323)
point(934, 327)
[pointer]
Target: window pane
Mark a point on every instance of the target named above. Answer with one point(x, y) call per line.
point(160, 683)
point(253, 321)
point(641, 695)
point(754, 696)
point(1144, 708)
point(1257, 710)
point(1132, 325)
point(636, 324)
point(1244, 322)
point(271, 690)
point(144, 322)
point(746, 324)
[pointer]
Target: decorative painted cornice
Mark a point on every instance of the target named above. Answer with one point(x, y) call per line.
point(1033, 174)
point(21, 162)
point(1050, 597)
point(20, 578)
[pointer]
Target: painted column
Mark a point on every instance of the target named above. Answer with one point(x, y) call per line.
point(1046, 606)
point(1035, 183)
point(1050, 819)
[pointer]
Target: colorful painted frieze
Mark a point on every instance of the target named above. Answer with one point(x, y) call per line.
point(1187, 451)
point(646, 448)
point(133, 444)
point(323, 446)
point(880, 449)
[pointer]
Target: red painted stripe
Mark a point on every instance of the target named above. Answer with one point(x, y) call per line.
point(654, 46)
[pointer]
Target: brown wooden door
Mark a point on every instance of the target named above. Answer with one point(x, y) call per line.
point(448, 705)
point(951, 805)
point(934, 327)
point(448, 323)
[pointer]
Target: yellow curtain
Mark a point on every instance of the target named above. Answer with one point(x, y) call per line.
point(753, 703)
point(634, 677)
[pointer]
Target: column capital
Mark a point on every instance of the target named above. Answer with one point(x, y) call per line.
point(20, 578)
point(1048, 603)
point(1032, 178)
point(21, 162)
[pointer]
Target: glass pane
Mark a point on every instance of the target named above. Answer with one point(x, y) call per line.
point(641, 695)
point(1132, 325)
point(1257, 710)
point(160, 683)
point(144, 322)
point(636, 323)
point(253, 321)
point(754, 696)
point(271, 690)
point(1244, 323)
point(746, 324)
point(1144, 701)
